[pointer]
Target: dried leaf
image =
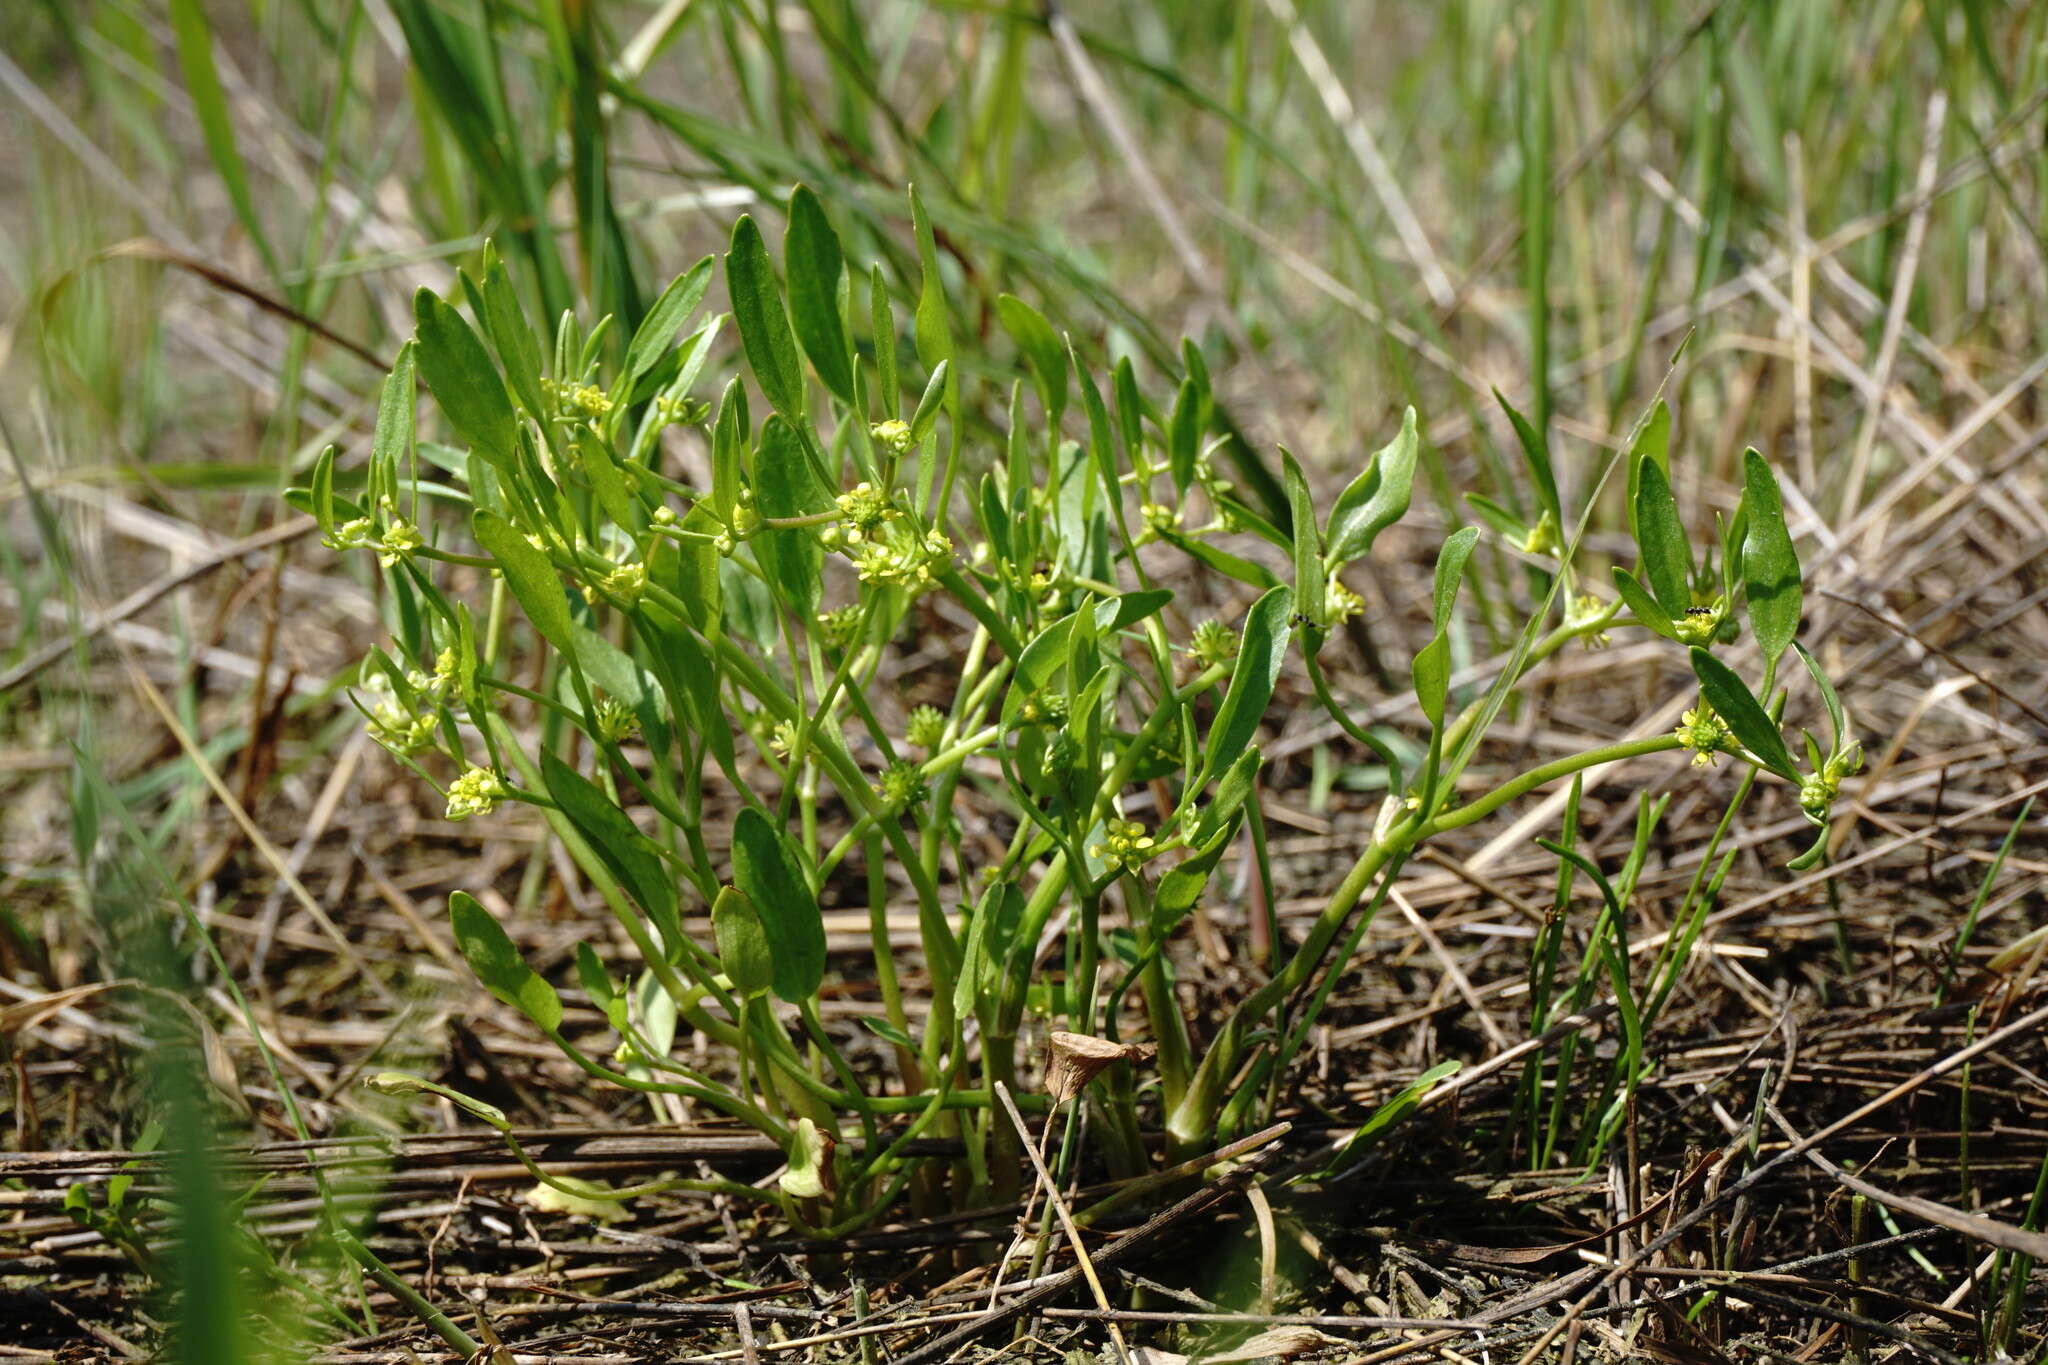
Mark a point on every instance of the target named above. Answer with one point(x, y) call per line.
point(1074, 1059)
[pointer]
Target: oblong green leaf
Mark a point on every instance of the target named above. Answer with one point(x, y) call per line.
point(1666, 554)
point(742, 943)
point(464, 381)
point(194, 42)
point(1042, 352)
point(504, 320)
point(1184, 436)
point(1431, 673)
point(1770, 566)
point(768, 872)
point(1647, 609)
point(813, 262)
point(630, 855)
point(499, 968)
point(1377, 498)
point(785, 485)
point(1536, 451)
point(658, 329)
point(1652, 443)
point(1450, 571)
point(1836, 719)
point(1184, 883)
point(392, 447)
point(1260, 654)
point(764, 326)
point(1305, 547)
point(530, 575)
point(932, 321)
point(1734, 703)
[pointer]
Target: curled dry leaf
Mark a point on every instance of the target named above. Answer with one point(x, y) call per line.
point(1074, 1059)
point(1285, 1342)
point(810, 1174)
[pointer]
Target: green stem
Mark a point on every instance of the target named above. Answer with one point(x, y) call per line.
point(1481, 807)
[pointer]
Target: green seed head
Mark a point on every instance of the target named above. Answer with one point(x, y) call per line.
point(1213, 644)
point(902, 786)
point(926, 727)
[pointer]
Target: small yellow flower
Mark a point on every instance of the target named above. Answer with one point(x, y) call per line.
point(893, 434)
point(1697, 625)
point(476, 792)
point(1705, 733)
point(1125, 844)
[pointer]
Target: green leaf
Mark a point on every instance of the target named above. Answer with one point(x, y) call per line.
point(392, 447)
point(768, 872)
point(812, 259)
point(1652, 443)
point(1431, 673)
point(1122, 612)
point(1646, 607)
point(785, 485)
point(1259, 656)
point(601, 468)
point(1431, 669)
point(498, 965)
point(1450, 571)
point(1231, 794)
point(1376, 499)
point(505, 321)
point(728, 449)
point(1836, 719)
point(530, 575)
point(1043, 657)
point(764, 326)
point(882, 327)
point(1130, 410)
point(1734, 703)
point(932, 402)
point(216, 124)
point(1184, 882)
point(888, 1032)
point(1184, 435)
point(1503, 521)
point(464, 381)
point(630, 855)
point(1770, 566)
point(611, 668)
point(596, 981)
point(1221, 560)
point(1536, 451)
point(742, 943)
point(933, 320)
point(1308, 559)
point(322, 492)
point(1042, 351)
point(1101, 436)
point(983, 948)
point(1666, 554)
point(658, 329)
point(1389, 1114)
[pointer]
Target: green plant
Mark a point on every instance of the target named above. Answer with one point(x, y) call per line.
point(740, 629)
